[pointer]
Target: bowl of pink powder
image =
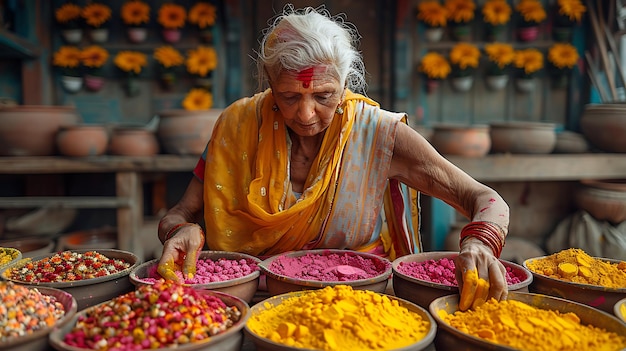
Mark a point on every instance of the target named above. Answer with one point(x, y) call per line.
point(423, 277)
point(233, 273)
point(316, 269)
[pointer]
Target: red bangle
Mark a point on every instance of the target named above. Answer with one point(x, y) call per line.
point(170, 233)
point(491, 234)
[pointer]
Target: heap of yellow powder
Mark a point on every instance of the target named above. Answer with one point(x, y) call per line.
point(524, 327)
point(339, 318)
point(574, 265)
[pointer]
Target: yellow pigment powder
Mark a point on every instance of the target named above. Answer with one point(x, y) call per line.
point(622, 311)
point(7, 255)
point(574, 265)
point(339, 318)
point(521, 326)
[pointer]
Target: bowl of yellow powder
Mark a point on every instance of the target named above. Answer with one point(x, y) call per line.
point(574, 275)
point(339, 318)
point(525, 321)
point(620, 309)
point(316, 269)
point(423, 277)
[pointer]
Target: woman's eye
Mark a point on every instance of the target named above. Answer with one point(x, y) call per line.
point(323, 97)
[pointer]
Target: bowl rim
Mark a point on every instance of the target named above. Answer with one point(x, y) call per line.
point(57, 335)
point(265, 268)
point(582, 286)
point(451, 254)
point(427, 339)
point(513, 295)
point(110, 253)
point(618, 312)
point(70, 311)
point(532, 125)
point(136, 280)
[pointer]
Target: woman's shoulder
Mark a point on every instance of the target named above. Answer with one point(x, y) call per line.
point(373, 111)
point(245, 108)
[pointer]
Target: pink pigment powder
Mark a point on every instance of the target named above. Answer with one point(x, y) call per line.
point(328, 267)
point(441, 271)
point(211, 271)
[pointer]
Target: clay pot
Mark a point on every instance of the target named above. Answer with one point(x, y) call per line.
point(128, 141)
point(522, 137)
point(171, 35)
point(605, 200)
point(183, 132)
point(30, 130)
point(497, 82)
point(462, 140)
point(462, 84)
point(82, 140)
point(604, 126)
point(433, 34)
point(137, 34)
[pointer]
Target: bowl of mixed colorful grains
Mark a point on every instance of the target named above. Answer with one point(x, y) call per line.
point(8, 256)
point(339, 317)
point(90, 276)
point(160, 316)
point(575, 275)
point(232, 273)
point(525, 321)
point(423, 277)
point(315, 269)
point(28, 315)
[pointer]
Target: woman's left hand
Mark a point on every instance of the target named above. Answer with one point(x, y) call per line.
point(477, 258)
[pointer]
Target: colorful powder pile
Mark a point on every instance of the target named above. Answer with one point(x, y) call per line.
point(442, 271)
point(153, 316)
point(211, 271)
point(24, 311)
point(329, 267)
point(7, 255)
point(339, 318)
point(67, 266)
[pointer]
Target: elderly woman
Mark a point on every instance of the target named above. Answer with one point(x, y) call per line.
point(309, 163)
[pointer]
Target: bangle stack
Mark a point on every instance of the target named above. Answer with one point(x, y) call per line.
point(170, 233)
point(491, 234)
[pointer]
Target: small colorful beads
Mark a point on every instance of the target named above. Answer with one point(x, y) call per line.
point(67, 266)
point(164, 314)
point(24, 311)
point(211, 271)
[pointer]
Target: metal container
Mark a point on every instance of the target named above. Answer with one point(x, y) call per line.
point(620, 310)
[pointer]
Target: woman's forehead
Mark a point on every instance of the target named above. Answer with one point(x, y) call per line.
point(307, 78)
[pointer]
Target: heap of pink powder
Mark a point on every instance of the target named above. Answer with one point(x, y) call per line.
point(441, 271)
point(211, 271)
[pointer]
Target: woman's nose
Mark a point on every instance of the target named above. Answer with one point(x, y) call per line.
point(306, 110)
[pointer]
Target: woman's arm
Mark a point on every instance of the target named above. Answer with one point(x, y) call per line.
point(188, 209)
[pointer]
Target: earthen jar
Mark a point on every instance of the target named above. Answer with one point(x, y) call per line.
point(30, 130)
point(184, 132)
point(82, 140)
point(462, 140)
point(604, 125)
point(604, 200)
point(133, 142)
point(522, 137)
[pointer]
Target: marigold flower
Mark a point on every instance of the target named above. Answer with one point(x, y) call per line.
point(198, 99)
point(135, 13)
point(67, 57)
point(96, 14)
point(435, 66)
point(465, 55)
point(432, 13)
point(497, 12)
point(529, 60)
point(531, 11)
point(499, 53)
point(67, 13)
point(460, 11)
point(203, 14)
point(94, 56)
point(201, 61)
point(572, 9)
point(563, 55)
point(130, 61)
point(172, 16)
point(167, 56)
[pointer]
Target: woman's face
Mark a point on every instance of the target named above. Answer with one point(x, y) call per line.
point(307, 99)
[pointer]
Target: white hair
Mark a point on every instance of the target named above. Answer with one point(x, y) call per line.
point(299, 39)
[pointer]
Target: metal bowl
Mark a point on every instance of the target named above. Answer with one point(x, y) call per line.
point(264, 344)
point(620, 309)
point(88, 292)
point(600, 297)
point(38, 341)
point(13, 252)
point(243, 287)
point(230, 340)
point(423, 292)
point(279, 284)
point(450, 338)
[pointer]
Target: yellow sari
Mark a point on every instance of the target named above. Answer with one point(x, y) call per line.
point(348, 202)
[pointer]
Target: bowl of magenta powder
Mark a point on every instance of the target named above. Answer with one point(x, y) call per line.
point(423, 277)
point(315, 269)
point(229, 272)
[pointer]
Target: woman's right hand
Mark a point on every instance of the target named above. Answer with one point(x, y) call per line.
point(180, 252)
